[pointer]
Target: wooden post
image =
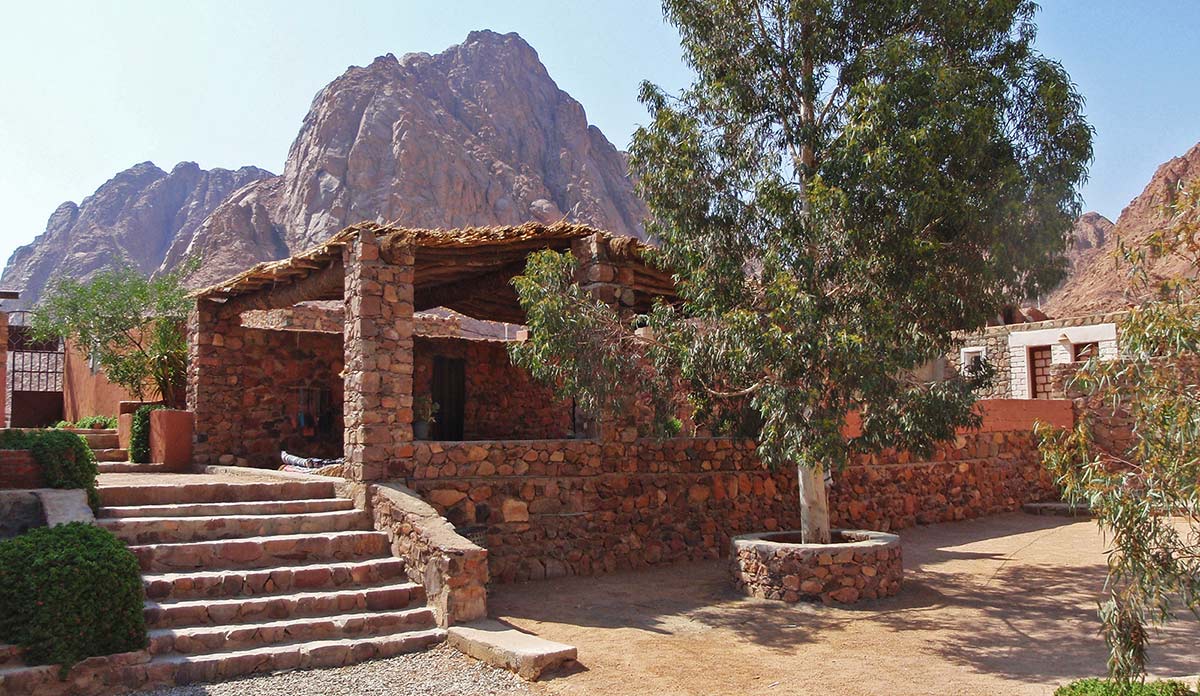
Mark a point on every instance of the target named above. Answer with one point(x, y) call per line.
point(814, 505)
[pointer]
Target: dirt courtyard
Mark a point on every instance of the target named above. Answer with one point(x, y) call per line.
point(1001, 605)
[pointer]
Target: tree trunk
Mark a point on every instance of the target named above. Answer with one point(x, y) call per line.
point(814, 506)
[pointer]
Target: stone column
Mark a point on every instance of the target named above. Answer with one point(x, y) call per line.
point(379, 361)
point(215, 380)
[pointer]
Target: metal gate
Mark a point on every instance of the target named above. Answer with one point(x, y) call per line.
point(35, 376)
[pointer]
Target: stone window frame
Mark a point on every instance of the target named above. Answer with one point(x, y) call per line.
point(967, 355)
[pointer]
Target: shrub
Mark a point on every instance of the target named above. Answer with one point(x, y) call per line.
point(139, 433)
point(1104, 687)
point(66, 461)
point(16, 439)
point(70, 592)
point(96, 422)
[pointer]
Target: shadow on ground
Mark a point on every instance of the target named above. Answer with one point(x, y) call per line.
point(1012, 596)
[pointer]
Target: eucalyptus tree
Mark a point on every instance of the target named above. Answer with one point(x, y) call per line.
point(844, 185)
point(1143, 486)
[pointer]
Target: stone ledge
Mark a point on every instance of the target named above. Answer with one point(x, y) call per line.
point(1057, 509)
point(503, 646)
point(867, 566)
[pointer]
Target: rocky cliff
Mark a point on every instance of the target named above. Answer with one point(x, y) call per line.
point(132, 218)
point(1098, 282)
point(478, 134)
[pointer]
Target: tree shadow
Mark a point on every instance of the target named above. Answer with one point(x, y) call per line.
point(983, 608)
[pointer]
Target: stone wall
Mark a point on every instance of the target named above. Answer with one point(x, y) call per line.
point(18, 469)
point(244, 388)
point(502, 400)
point(546, 508)
point(858, 565)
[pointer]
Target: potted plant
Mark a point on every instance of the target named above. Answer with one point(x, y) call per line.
point(424, 410)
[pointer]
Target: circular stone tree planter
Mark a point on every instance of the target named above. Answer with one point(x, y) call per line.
point(858, 565)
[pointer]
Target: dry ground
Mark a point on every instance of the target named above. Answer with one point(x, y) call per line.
point(1002, 605)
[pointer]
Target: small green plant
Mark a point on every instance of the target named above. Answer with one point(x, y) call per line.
point(96, 422)
point(70, 592)
point(1104, 687)
point(424, 409)
point(139, 433)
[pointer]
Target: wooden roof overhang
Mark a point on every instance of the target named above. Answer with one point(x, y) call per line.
point(468, 270)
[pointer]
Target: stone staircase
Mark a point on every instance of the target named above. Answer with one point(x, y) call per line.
point(263, 576)
point(104, 443)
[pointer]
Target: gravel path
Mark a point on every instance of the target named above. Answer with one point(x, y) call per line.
point(442, 671)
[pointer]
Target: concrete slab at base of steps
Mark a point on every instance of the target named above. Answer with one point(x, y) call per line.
point(501, 645)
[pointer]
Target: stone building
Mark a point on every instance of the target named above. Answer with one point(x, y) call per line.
point(1025, 354)
point(546, 492)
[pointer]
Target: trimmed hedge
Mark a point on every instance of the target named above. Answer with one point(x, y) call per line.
point(1104, 687)
point(139, 433)
point(68, 593)
point(65, 458)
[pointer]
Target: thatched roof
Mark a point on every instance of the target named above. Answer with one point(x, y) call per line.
point(466, 269)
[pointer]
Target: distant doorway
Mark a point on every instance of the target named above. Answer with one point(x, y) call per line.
point(1039, 372)
point(449, 392)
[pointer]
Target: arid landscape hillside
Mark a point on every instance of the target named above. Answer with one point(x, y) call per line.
point(1098, 281)
point(478, 134)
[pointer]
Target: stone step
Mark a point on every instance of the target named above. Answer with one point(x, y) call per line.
point(238, 610)
point(178, 669)
point(265, 581)
point(133, 468)
point(261, 552)
point(272, 507)
point(187, 669)
point(243, 636)
point(111, 454)
point(218, 492)
point(101, 439)
point(165, 530)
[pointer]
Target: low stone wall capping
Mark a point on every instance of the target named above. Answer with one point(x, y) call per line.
point(453, 570)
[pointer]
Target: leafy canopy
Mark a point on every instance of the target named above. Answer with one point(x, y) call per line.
point(131, 324)
point(1144, 490)
point(844, 185)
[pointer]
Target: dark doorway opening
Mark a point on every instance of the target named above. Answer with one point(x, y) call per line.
point(449, 392)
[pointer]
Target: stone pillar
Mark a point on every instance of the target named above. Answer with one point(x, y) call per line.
point(379, 361)
point(215, 380)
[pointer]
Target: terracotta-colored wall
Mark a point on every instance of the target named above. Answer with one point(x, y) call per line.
point(18, 469)
point(503, 402)
point(88, 393)
point(3, 368)
point(555, 507)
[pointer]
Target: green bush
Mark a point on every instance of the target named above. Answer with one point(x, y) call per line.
point(94, 423)
point(70, 592)
point(1104, 687)
point(67, 462)
point(16, 439)
point(139, 433)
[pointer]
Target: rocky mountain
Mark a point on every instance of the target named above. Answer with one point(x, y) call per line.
point(1097, 282)
point(478, 134)
point(132, 218)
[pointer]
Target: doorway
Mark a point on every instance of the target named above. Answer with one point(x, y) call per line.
point(449, 392)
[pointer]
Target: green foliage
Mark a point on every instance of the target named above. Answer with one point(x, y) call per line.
point(70, 592)
point(66, 462)
point(139, 433)
point(89, 423)
point(96, 422)
point(1145, 497)
point(843, 187)
point(65, 459)
point(133, 325)
point(16, 439)
point(1102, 687)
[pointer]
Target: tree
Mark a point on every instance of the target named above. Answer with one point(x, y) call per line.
point(132, 325)
point(845, 184)
point(1144, 490)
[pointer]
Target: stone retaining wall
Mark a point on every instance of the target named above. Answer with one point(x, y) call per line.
point(862, 565)
point(547, 508)
point(453, 571)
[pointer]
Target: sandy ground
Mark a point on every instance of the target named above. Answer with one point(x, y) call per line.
point(1002, 605)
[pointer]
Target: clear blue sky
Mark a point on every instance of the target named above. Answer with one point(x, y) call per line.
point(90, 88)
